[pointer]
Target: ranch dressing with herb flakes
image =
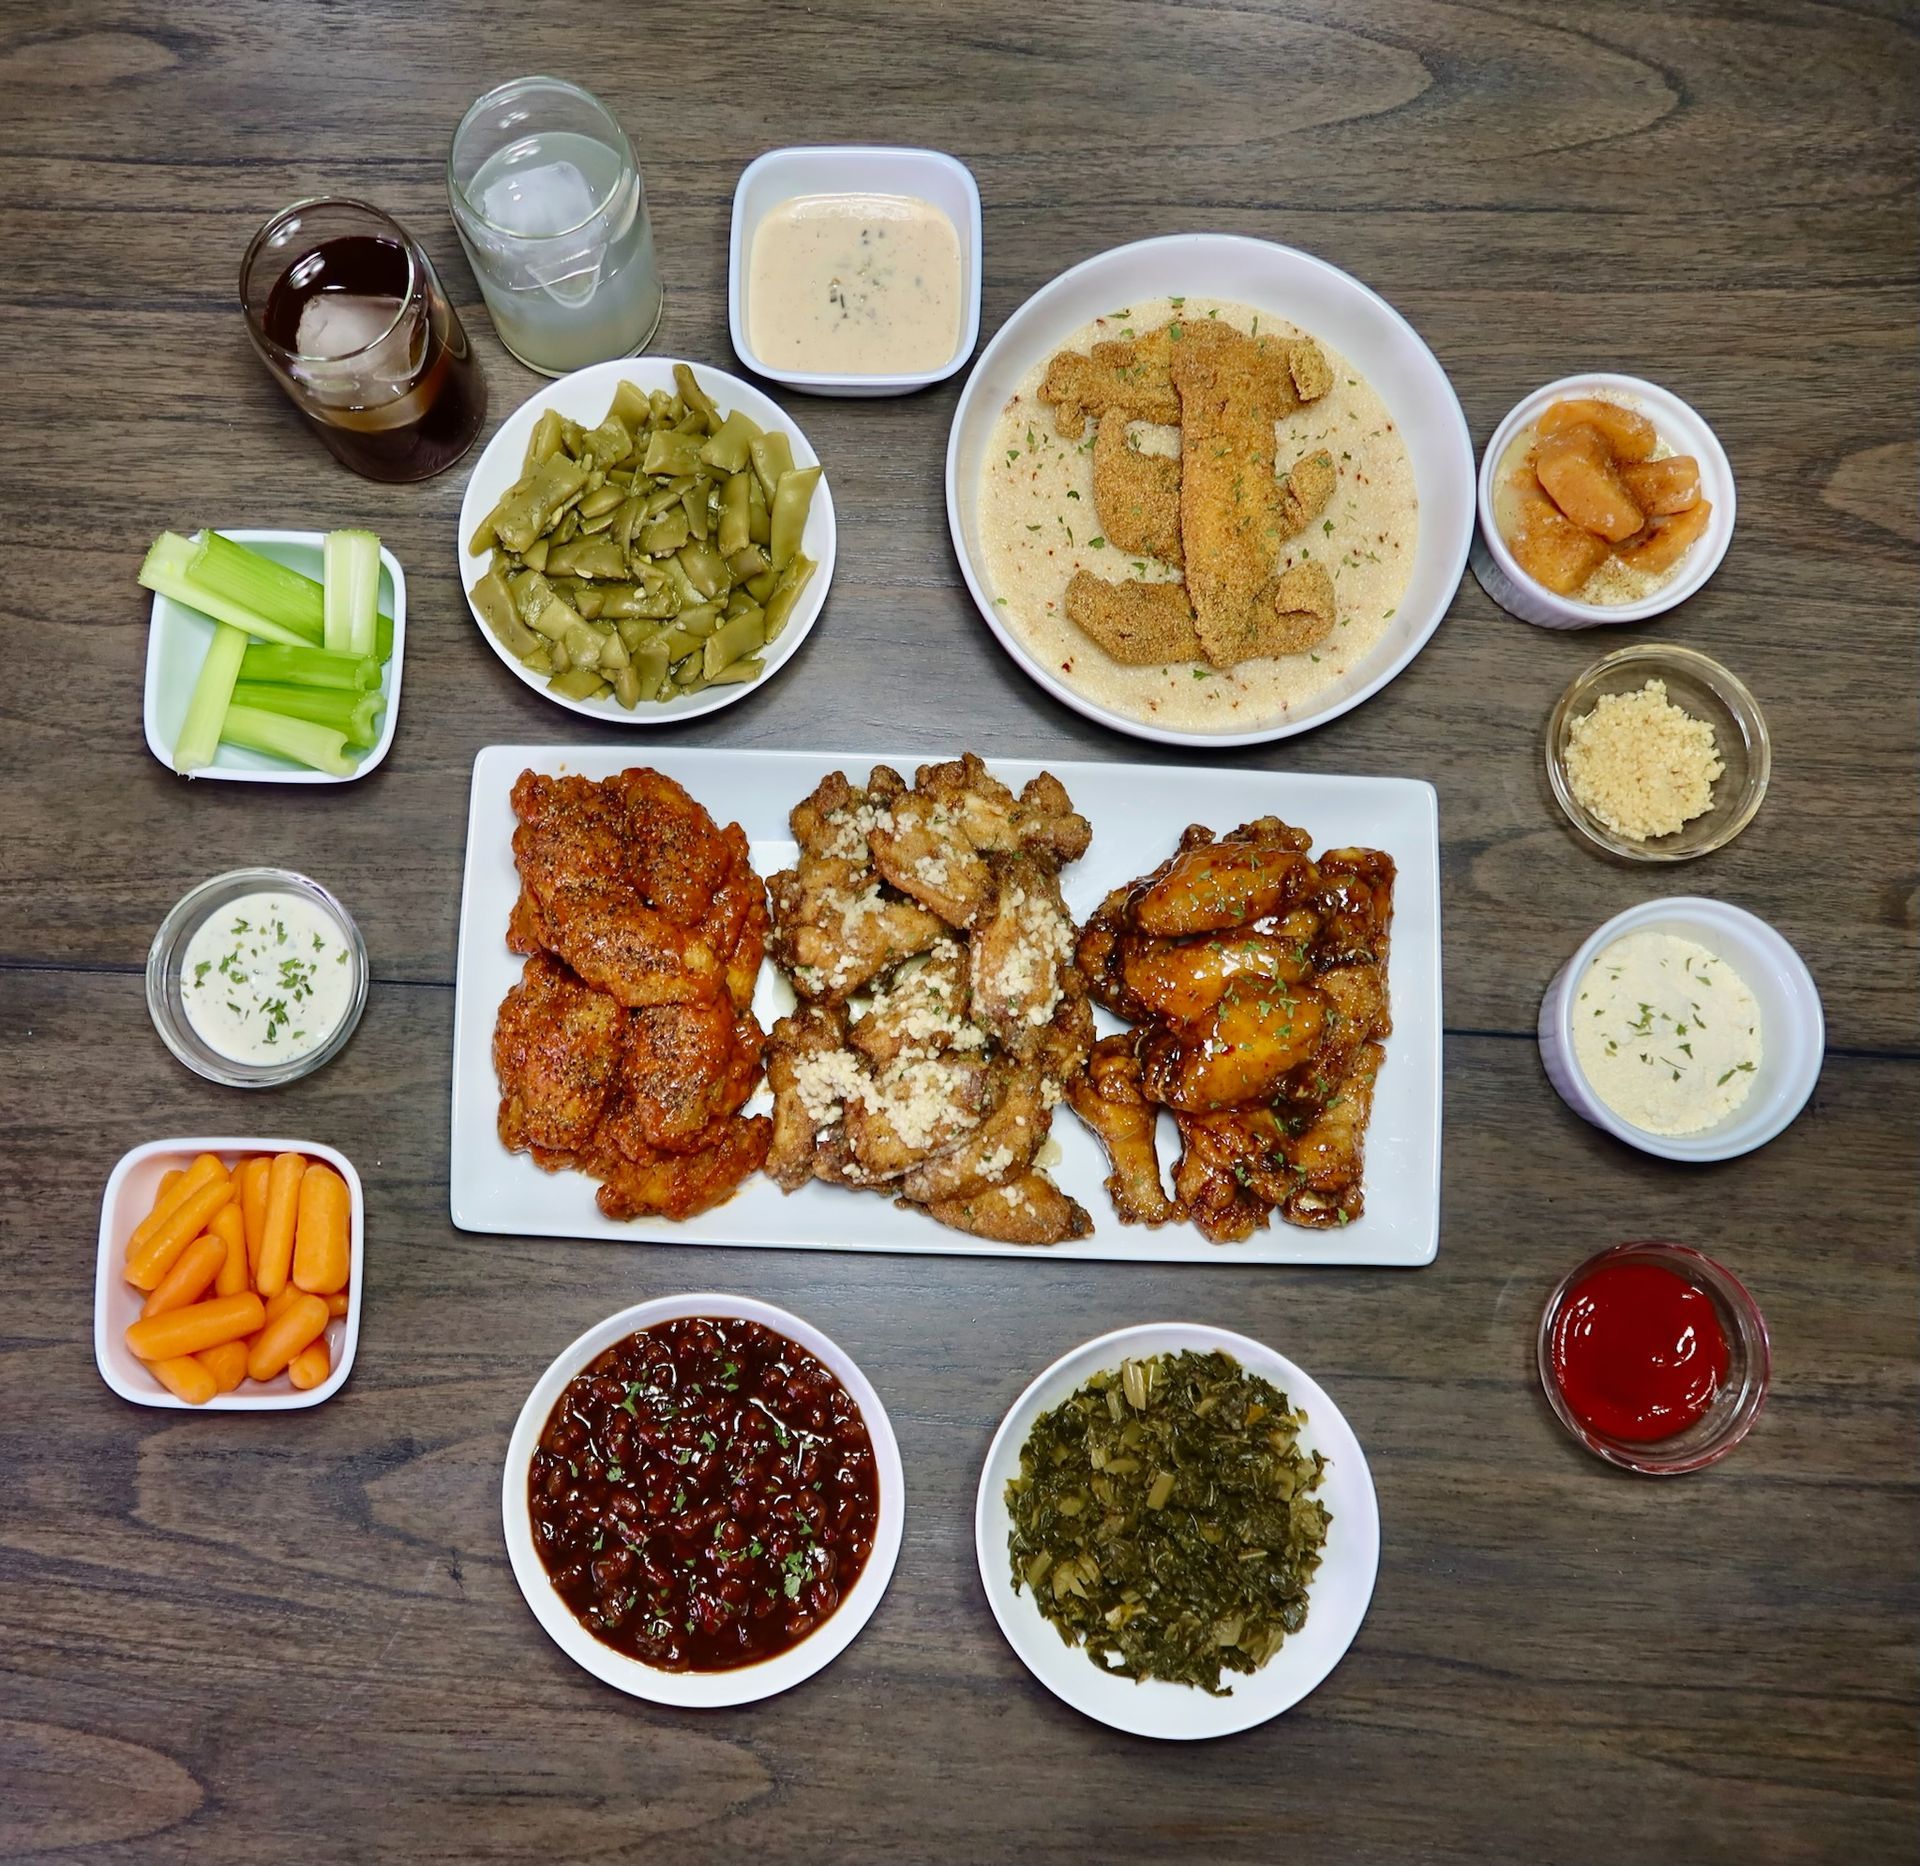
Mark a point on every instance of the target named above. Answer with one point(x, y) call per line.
point(267, 978)
point(1667, 1033)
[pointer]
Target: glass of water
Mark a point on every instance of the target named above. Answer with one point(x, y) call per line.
point(551, 208)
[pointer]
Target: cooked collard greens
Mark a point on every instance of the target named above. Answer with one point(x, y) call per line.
point(1163, 1518)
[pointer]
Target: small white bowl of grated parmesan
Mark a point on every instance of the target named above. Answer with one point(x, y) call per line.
point(1687, 1028)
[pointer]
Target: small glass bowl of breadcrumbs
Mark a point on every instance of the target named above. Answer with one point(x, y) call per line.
point(1658, 754)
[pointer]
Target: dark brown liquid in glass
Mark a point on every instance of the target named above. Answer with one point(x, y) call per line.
point(404, 430)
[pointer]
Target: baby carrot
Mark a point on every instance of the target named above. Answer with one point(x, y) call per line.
point(277, 1306)
point(150, 1260)
point(227, 1363)
point(168, 1180)
point(276, 1234)
point(230, 1228)
point(251, 1177)
point(200, 1325)
point(205, 1169)
point(300, 1322)
point(190, 1278)
point(320, 1244)
point(310, 1366)
point(339, 1303)
point(181, 1374)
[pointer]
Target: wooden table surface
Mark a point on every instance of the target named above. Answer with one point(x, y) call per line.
point(249, 1640)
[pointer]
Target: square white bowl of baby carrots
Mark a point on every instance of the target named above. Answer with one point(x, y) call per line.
point(193, 1207)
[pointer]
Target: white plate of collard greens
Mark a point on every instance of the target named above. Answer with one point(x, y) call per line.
point(1137, 814)
point(1158, 1571)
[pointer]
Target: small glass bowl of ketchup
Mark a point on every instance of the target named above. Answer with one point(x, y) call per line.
point(1654, 1357)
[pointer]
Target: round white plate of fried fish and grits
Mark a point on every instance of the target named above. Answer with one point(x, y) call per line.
point(1392, 537)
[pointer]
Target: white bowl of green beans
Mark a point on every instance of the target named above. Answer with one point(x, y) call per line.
point(608, 591)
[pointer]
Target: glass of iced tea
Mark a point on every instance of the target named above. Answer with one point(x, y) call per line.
point(345, 310)
point(552, 210)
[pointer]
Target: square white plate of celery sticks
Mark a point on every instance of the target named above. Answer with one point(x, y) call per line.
point(290, 673)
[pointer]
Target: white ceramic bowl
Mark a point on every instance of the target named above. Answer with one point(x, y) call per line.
point(1340, 1590)
point(1792, 1027)
point(177, 642)
point(1683, 430)
point(585, 397)
point(1321, 299)
point(745, 1684)
point(781, 174)
point(131, 1188)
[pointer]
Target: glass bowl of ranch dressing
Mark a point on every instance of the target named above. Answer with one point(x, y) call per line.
point(256, 978)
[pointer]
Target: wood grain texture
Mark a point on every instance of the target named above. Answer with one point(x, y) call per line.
point(226, 1640)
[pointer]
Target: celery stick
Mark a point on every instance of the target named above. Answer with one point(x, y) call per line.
point(224, 568)
point(351, 567)
point(297, 739)
point(383, 639)
point(355, 714)
point(309, 667)
point(166, 571)
point(199, 736)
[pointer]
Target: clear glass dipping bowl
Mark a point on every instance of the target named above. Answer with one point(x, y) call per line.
point(1735, 1407)
point(1696, 684)
point(166, 959)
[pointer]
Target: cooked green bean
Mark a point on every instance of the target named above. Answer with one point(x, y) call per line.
point(610, 442)
point(626, 688)
point(729, 446)
point(587, 600)
point(668, 452)
point(747, 562)
point(649, 669)
point(603, 499)
point(701, 620)
point(693, 395)
point(652, 596)
point(495, 603)
point(706, 569)
point(738, 673)
point(733, 641)
point(543, 442)
point(535, 555)
point(694, 502)
point(759, 525)
point(786, 592)
point(532, 507)
point(578, 683)
point(731, 534)
point(633, 405)
point(772, 455)
point(790, 502)
point(762, 586)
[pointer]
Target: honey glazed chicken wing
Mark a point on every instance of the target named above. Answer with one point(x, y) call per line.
point(1108, 1097)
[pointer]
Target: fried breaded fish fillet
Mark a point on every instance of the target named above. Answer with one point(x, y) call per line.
point(1138, 624)
point(1136, 495)
point(1134, 375)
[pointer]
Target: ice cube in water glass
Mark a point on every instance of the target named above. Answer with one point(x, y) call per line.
point(352, 367)
point(543, 201)
point(553, 198)
point(339, 323)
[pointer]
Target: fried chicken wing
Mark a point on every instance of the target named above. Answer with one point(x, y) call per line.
point(942, 903)
point(1213, 886)
point(557, 1049)
point(1027, 1210)
point(577, 858)
point(679, 1185)
point(1019, 954)
point(626, 1049)
point(1136, 495)
point(1108, 1097)
point(1256, 979)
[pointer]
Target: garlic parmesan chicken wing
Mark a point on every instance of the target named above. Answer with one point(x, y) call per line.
point(940, 1010)
point(1254, 977)
point(627, 1049)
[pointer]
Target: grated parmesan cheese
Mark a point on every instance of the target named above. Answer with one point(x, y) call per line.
point(1643, 766)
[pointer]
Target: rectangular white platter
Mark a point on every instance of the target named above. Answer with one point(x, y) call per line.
point(1137, 813)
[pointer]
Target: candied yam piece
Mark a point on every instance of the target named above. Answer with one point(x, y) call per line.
point(1630, 436)
point(1662, 487)
point(1576, 471)
point(1548, 545)
point(1666, 540)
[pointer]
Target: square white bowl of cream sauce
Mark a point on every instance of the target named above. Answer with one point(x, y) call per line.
point(772, 180)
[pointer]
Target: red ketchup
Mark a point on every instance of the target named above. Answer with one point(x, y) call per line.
point(1638, 1351)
